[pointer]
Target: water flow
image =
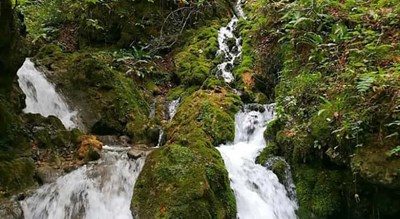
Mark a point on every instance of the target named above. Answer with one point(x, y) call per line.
point(257, 189)
point(101, 190)
point(230, 45)
point(41, 96)
point(160, 137)
point(173, 107)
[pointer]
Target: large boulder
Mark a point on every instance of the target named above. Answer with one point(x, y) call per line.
point(186, 178)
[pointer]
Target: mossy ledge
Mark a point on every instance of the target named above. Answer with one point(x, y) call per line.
point(187, 177)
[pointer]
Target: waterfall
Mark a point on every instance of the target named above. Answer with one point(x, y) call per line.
point(101, 190)
point(160, 137)
point(172, 107)
point(230, 45)
point(258, 192)
point(41, 96)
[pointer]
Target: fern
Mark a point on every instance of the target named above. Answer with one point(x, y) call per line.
point(365, 82)
point(394, 152)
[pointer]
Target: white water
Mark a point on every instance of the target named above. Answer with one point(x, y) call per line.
point(95, 191)
point(259, 195)
point(172, 107)
point(41, 96)
point(233, 52)
point(160, 137)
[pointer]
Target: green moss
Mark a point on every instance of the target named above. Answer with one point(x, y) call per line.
point(279, 169)
point(181, 181)
point(16, 175)
point(206, 114)
point(110, 103)
point(175, 93)
point(194, 62)
point(270, 150)
point(186, 178)
point(317, 191)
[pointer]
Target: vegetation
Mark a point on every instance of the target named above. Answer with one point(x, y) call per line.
point(337, 99)
point(187, 178)
point(331, 66)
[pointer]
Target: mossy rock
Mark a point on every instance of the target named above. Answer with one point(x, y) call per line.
point(317, 191)
point(194, 63)
point(109, 102)
point(184, 182)
point(187, 178)
point(279, 168)
point(16, 175)
point(269, 151)
point(205, 114)
point(373, 163)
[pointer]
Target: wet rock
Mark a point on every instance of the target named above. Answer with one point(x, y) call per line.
point(231, 42)
point(135, 154)
point(89, 148)
point(47, 174)
point(374, 165)
point(114, 140)
point(138, 151)
point(10, 209)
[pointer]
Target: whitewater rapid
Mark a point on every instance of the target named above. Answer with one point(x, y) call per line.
point(258, 192)
point(230, 45)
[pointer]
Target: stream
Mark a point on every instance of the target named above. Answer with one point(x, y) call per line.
point(93, 191)
point(103, 189)
point(258, 192)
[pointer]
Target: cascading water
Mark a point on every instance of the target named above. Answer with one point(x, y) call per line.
point(41, 96)
point(172, 107)
point(230, 45)
point(258, 192)
point(101, 190)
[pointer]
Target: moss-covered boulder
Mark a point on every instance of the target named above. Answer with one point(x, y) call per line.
point(186, 178)
point(375, 164)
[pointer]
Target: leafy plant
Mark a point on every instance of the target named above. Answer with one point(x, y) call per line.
point(394, 152)
point(365, 82)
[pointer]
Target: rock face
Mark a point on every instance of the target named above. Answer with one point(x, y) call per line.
point(89, 148)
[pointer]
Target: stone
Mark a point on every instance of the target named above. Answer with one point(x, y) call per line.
point(137, 151)
point(89, 148)
point(10, 209)
point(47, 174)
point(135, 154)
